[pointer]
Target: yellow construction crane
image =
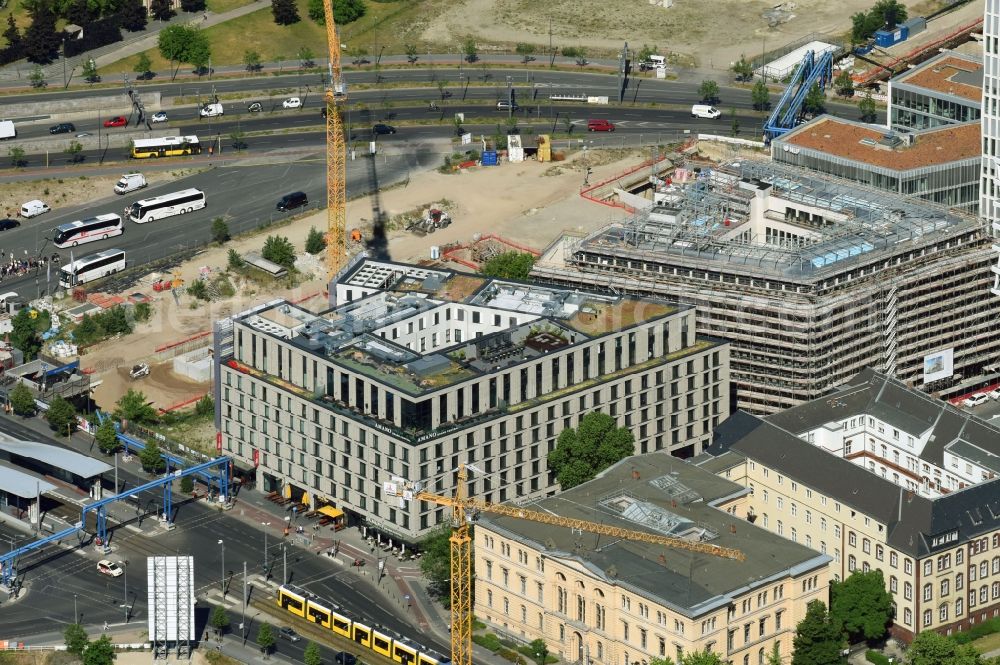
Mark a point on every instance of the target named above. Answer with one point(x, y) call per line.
point(461, 549)
point(336, 170)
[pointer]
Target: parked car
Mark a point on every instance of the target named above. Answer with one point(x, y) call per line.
point(600, 125)
point(34, 208)
point(256, 107)
point(381, 128)
point(62, 128)
point(344, 658)
point(159, 116)
point(289, 634)
point(9, 224)
point(503, 105)
point(117, 121)
point(292, 201)
point(108, 567)
point(993, 394)
point(975, 400)
point(292, 103)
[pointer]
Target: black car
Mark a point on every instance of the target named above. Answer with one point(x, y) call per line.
point(344, 658)
point(383, 129)
point(289, 634)
point(62, 128)
point(9, 224)
point(256, 107)
point(292, 201)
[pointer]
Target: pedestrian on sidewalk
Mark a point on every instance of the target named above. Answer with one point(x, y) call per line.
point(105, 626)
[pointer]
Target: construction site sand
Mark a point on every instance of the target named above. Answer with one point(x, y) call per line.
point(694, 28)
point(530, 202)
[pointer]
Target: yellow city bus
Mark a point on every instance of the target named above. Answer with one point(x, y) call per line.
point(166, 146)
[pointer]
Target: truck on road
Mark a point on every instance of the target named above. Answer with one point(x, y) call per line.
point(7, 130)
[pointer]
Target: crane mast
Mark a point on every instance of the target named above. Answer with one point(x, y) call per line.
point(461, 547)
point(336, 168)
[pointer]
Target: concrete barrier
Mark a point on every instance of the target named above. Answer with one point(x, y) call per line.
point(78, 108)
point(115, 140)
point(730, 139)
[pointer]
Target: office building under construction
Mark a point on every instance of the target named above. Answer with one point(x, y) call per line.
point(811, 277)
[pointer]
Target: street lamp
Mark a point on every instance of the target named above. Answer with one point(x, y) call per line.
point(76, 615)
point(125, 577)
point(223, 545)
point(267, 574)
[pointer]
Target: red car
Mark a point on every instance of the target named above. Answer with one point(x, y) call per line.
point(600, 126)
point(117, 121)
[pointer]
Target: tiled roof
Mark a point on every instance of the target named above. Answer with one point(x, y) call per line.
point(842, 138)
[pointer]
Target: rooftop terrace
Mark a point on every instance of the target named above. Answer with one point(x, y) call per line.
point(718, 220)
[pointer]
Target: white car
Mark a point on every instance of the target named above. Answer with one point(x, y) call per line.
point(292, 103)
point(975, 400)
point(159, 116)
point(34, 208)
point(994, 394)
point(107, 567)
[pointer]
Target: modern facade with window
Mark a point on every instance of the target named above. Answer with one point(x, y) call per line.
point(881, 476)
point(944, 90)
point(941, 164)
point(419, 370)
point(812, 278)
point(603, 600)
point(989, 186)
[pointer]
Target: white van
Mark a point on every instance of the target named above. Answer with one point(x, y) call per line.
point(211, 110)
point(129, 183)
point(705, 111)
point(34, 209)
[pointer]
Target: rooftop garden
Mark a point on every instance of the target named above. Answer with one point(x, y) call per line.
point(599, 318)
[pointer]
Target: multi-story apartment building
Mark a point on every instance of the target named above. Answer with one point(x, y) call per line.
point(879, 475)
point(598, 600)
point(812, 278)
point(416, 371)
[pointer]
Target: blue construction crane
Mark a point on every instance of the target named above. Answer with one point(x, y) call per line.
point(786, 112)
point(8, 562)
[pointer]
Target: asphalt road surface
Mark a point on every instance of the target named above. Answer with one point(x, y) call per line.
point(53, 576)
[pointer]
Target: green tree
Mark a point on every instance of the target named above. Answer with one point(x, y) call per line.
point(265, 638)
point(143, 66)
point(539, 651)
point(760, 96)
point(315, 241)
point(251, 60)
point(90, 74)
point(219, 619)
point(187, 484)
point(278, 249)
point(844, 84)
point(199, 289)
point(134, 16)
point(818, 641)
point(743, 69)
point(347, 11)
point(100, 652)
point(193, 5)
point(205, 406)
point(305, 56)
point(435, 562)
point(237, 137)
point(526, 51)
point(734, 126)
point(931, 648)
point(107, 441)
point(162, 10)
point(41, 40)
point(470, 50)
point(25, 335)
point(37, 77)
point(142, 311)
point(73, 150)
point(133, 406)
point(181, 43)
point(220, 230)
point(412, 53)
point(709, 91)
point(234, 260)
point(867, 108)
point(815, 101)
point(15, 42)
point(22, 400)
point(61, 415)
point(701, 658)
point(646, 51)
point(509, 265)
point(582, 453)
point(151, 458)
point(774, 658)
point(312, 656)
point(861, 605)
point(285, 12)
point(16, 154)
point(76, 639)
point(890, 12)
point(666, 660)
